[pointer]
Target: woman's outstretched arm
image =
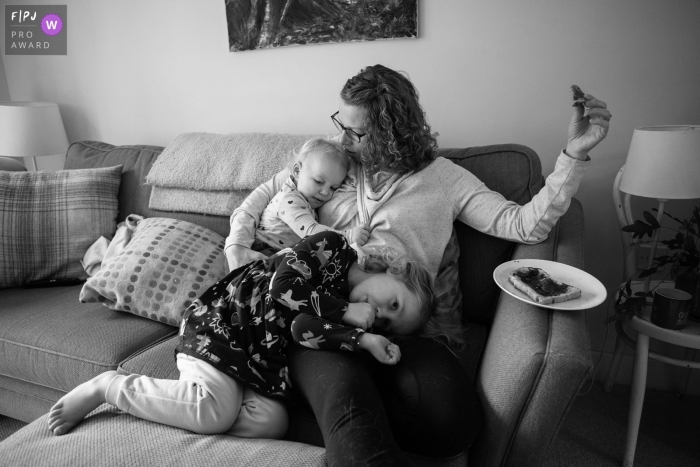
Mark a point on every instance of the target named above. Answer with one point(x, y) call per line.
point(489, 212)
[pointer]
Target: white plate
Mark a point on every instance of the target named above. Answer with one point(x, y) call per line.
point(593, 292)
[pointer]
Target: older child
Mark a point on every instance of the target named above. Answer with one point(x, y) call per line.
point(318, 171)
point(233, 340)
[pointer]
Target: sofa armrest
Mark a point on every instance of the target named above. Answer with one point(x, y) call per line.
point(534, 362)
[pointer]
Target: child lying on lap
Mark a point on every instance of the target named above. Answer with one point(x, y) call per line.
point(232, 341)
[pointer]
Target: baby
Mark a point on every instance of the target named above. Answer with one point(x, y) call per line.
point(318, 171)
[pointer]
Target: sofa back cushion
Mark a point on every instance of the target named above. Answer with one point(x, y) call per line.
point(134, 194)
point(515, 172)
point(511, 169)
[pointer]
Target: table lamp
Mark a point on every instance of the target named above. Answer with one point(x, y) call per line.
point(31, 129)
point(663, 163)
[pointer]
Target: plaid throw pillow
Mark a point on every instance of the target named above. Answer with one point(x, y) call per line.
point(48, 220)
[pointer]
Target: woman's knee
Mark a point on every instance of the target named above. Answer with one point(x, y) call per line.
point(432, 405)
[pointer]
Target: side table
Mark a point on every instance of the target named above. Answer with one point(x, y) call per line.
point(688, 338)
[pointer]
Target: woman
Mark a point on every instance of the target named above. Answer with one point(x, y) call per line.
point(409, 198)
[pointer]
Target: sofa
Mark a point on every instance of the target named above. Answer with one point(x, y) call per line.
point(527, 363)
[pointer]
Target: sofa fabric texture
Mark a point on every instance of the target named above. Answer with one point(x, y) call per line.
point(527, 363)
point(48, 338)
point(166, 265)
point(49, 219)
point(91, 444)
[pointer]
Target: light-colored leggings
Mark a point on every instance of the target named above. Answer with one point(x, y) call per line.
point(204, 400)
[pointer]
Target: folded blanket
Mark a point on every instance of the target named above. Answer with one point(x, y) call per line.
point(217, 203)
point(214, 162)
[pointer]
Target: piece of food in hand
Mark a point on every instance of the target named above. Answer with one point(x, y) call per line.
point(578, 96)
point(540, 287)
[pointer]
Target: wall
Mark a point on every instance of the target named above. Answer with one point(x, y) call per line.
point(4, 89)
point(489, 71)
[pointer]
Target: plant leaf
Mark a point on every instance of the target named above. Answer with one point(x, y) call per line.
point(669, 215)
point(647, 272)
point(651, 220)
point(639, 229)
point(671, 244)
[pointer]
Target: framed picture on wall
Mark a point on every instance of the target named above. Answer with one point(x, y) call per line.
point(260, 24)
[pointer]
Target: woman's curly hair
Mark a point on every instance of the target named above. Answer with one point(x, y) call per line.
point(398, 134)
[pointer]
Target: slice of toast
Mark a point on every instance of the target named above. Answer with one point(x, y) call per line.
point(540, 287)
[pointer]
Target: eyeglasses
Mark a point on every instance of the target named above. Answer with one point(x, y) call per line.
point(353, 135)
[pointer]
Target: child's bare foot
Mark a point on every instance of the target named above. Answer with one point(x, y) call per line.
point(72, 408)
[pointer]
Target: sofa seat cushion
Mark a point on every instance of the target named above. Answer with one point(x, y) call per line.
point(26, 401)
point(48, 337)
point(108, 437)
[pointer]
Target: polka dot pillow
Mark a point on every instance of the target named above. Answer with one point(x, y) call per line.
point(167, 264)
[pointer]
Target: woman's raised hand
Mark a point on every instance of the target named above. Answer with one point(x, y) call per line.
point(238, 256)
point(589, 126)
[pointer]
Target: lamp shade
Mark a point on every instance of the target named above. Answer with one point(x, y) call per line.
point(663, 163)
point(31, 129)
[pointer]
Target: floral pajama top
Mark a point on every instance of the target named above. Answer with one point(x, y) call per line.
point(242, 324)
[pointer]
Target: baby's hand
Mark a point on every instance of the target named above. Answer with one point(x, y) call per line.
point(360, 315)
point(358, 234)
point(381, 348)
point(237, 256)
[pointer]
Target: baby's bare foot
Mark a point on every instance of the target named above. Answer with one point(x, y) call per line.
point(72, 408)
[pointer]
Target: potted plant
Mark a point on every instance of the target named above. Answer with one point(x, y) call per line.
point(684, 258)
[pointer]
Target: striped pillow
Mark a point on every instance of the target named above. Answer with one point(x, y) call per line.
point(48, 220)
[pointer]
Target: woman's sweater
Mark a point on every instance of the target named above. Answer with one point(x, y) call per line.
point(415, 216)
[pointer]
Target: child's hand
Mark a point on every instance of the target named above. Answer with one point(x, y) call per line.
point(237, 256)
point(381, 348)
point(360, 315)
point(358, 234)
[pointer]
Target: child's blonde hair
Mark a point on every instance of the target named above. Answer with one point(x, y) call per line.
point(327, 147)
point(436, 321)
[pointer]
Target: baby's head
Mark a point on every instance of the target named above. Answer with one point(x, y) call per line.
point(405, 298)
point(319, 169)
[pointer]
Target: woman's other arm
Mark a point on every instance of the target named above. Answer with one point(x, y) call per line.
point(245, 219)
point(489, 212)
